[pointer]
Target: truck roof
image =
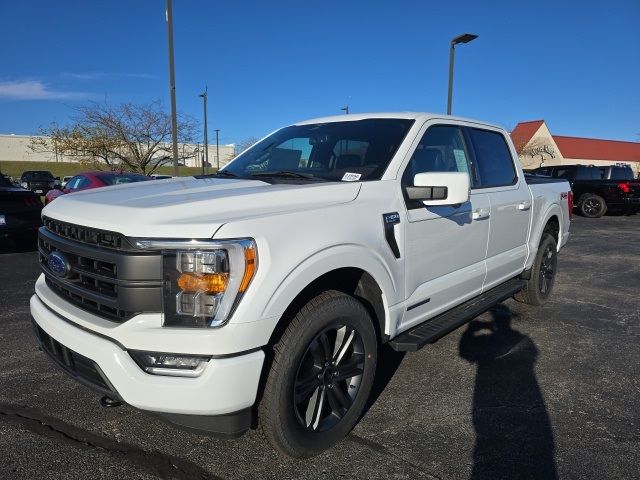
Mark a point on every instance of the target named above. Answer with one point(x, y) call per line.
point(402, 115)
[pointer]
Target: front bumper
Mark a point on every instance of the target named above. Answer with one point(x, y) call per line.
point(226, 386)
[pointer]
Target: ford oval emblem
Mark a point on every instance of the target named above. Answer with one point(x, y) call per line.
point(58, 265)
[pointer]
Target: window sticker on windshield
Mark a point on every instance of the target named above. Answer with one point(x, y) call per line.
point(351, 177)
point(3, 221)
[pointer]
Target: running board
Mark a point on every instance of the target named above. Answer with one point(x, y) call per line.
point(435, 328)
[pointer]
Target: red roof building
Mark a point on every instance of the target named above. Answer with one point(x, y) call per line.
point(536, 147)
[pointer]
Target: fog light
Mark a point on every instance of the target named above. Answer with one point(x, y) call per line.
point(159, 363)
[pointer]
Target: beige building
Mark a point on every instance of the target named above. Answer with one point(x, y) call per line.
point(537, 147)
point(16, 148)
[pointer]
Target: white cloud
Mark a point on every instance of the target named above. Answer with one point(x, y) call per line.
point(34, 90)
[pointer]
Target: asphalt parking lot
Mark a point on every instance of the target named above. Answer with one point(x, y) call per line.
point(521, 392)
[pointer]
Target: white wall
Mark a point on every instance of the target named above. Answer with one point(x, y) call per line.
point(16, 148)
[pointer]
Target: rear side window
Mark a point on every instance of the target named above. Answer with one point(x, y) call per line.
point(589, 173)
point(493, 159)
point(621, 173)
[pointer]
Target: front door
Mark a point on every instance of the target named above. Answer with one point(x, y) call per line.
point(445, 245)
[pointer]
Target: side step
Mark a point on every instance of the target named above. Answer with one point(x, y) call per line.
point(435, 328)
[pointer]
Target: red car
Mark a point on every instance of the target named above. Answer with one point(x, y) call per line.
point(87, 180)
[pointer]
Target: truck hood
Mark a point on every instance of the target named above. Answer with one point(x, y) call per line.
point(187, 207)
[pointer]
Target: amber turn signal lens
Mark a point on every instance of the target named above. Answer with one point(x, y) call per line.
point(249, 268)
point(210, 283)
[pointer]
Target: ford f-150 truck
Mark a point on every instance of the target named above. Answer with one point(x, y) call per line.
point(260, 296)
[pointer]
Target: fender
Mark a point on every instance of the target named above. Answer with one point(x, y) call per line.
point(327, 260)
point(534, 239)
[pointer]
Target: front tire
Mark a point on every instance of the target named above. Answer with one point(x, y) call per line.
point(538, 288)
point(320, 377)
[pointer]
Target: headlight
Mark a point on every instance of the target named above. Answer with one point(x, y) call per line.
point(24, 185)
point(204, 280)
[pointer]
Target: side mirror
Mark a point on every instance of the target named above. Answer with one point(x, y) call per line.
point(440, 188)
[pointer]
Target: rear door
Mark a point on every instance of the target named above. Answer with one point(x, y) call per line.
point(510, 202)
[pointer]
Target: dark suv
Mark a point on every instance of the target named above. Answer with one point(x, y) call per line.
point(38, 181)
point(598, 189)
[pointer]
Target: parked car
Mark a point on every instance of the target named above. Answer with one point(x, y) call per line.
point(263, 294)
point(87, 180)
point(598, 190)
point(19, 211)
point(38, 181)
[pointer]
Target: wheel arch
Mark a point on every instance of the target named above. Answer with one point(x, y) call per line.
point(344, 269)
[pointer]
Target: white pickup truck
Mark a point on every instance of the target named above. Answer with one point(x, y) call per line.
point(260, 296)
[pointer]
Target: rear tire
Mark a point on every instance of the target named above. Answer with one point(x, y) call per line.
point(320, 377)
point(538, 288)
point(592, 206)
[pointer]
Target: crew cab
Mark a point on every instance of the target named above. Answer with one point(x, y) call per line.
point(598, 189)
point(261, 295)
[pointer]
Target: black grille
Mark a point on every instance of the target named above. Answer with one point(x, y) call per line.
point(111, 284)
point(90, 236)
point(78, 366)
point(100, 309)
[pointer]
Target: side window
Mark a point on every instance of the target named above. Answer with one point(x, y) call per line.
point(441, 149)
point(562, 173)
point(83, 182)
point(493, 158)
point(73, 183)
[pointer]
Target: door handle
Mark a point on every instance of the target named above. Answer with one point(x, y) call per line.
point(524, 206)
point(481, 213)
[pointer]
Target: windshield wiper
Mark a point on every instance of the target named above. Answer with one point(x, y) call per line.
point(225, 173)
point(285, 174)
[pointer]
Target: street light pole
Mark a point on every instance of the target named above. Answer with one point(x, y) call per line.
point(172, 87)
point(345, 109)
point(464, 38)
point(206, 139)
point(217, 149)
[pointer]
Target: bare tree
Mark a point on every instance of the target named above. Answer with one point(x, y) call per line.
point(130, 135)
point(538, 149)
point(244, 145)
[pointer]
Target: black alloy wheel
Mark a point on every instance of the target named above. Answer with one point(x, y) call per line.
point(538, 287)
point(592, 206)
point(320, 376)
point(329, 377)
point(547, 270)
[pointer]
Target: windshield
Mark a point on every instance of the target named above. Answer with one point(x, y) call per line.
point(42, 175)
point(118, 179)
point(336, 151)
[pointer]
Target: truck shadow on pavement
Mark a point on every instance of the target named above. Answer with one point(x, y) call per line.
point(514, 437)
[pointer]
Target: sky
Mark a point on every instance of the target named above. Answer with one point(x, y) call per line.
point(575, 64)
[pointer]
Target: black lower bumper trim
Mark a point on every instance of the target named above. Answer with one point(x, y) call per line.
point(230, 425)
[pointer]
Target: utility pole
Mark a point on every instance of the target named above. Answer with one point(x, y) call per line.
point(217, 149)
point(172, 87)
point(464, 38)
point(345, 109)
point(206, 139)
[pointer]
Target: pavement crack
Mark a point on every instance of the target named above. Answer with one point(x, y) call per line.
point(378, 447)
point(154, 462)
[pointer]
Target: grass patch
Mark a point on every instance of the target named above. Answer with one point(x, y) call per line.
point(61, 169)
